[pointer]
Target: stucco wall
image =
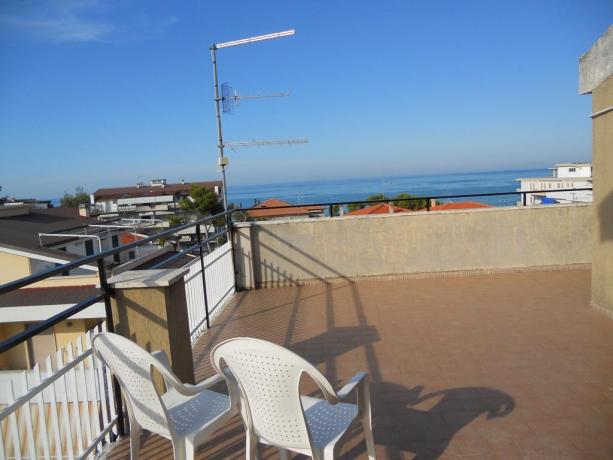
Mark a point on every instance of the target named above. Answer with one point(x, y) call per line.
point(13, 267)
point(283, 253)
point(602, 148)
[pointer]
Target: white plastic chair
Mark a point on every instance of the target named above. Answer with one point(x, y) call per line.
point(185, 414)
point(274, 412)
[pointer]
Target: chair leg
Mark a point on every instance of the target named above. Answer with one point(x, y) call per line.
point(283, 453)
point(135, 434)
point(368, 436)
point(183, 449)
point(251, 447)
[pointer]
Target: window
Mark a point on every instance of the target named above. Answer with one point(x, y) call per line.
point(89, 247)
point(115, 241)
point(572, 169)
point(131, 255)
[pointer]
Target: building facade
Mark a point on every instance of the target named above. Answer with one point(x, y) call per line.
point(156, 201)
point(564, 176)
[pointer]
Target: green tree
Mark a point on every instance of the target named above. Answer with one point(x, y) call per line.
point(70, 200)
point(402, 200)
point(356, 206)
point(177, 220)
point(202, 200)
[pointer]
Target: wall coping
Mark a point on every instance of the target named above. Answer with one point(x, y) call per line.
point(406, 214)
point(148, 278)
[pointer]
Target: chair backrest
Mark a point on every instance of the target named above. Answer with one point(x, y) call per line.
point(132, 366)
point(269, 376)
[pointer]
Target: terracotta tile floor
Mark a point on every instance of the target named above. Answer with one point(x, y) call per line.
point(486, 366)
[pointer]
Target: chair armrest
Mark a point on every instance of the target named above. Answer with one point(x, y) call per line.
point(352, 384)
point(204, 385)
point(162, 357)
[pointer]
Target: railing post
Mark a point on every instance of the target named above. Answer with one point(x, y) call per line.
point(206, 302)
point(230, 235)
point(331, 210)
point(110, 326)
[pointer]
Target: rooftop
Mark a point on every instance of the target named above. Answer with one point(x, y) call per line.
point(63, 295)
point(21, 231)
point(508, 366)
point(459, 205)
point(148, 190)
point(380, 208)
point(264, 209)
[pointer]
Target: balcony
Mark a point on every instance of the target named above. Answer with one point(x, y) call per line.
point(474, 326)
point(513, 365)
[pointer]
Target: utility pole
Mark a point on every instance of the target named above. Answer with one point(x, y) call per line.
point(222, 161)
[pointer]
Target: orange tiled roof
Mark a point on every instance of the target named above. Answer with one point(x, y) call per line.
point(459, 205)
point(381, 208)
point(266, 209)
point(127, 238)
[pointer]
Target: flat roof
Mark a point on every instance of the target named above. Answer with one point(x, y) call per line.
point(21, 232)
point(27, 297)
point(148, 190)
point(555, 179)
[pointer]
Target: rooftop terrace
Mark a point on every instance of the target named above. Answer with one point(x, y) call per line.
point(514, 365)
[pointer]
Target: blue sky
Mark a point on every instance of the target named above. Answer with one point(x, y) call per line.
point(101, 93)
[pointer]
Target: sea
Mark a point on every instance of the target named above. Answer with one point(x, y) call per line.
point(342, 190)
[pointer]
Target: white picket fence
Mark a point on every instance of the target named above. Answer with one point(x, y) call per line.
point(68, 411)
point(219, 276)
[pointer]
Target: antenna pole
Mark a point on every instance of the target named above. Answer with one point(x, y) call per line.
point(220, 144)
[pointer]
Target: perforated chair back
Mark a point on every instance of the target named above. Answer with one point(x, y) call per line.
point(268, 376)
point(132, 366)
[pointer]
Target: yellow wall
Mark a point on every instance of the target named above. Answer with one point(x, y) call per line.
point(16, 358)
point(13, 267)
point(65, 334)
point(602, 152)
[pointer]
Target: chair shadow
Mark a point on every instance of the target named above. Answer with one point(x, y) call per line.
point(401, 425)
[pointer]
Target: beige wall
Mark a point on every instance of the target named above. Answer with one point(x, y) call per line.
point(602, 152)
point(17, 357)
point(283, 253)
point(13, 267)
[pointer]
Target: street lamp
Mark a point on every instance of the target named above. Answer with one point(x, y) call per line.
point(223, 161)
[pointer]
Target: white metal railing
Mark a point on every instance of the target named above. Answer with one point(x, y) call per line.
point(67, 411)
point(219, 276)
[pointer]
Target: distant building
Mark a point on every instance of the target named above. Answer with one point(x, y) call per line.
point(379, 208)
point(564, 176)
point(157, 200)
point(32, 202)
point(265, 210)
point(456, 205)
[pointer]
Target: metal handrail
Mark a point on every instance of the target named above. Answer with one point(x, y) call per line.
point(413, 198)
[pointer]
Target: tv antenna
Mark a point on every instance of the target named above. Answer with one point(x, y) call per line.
point(260, 143)
point(231, 98)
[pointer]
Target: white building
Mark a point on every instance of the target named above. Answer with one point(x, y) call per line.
point(564, 176)
point(153, 201)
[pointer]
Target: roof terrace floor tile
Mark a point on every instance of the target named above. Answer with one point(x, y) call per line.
point(506, 366)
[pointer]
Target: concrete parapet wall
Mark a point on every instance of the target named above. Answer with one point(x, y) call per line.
point(281, 253)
